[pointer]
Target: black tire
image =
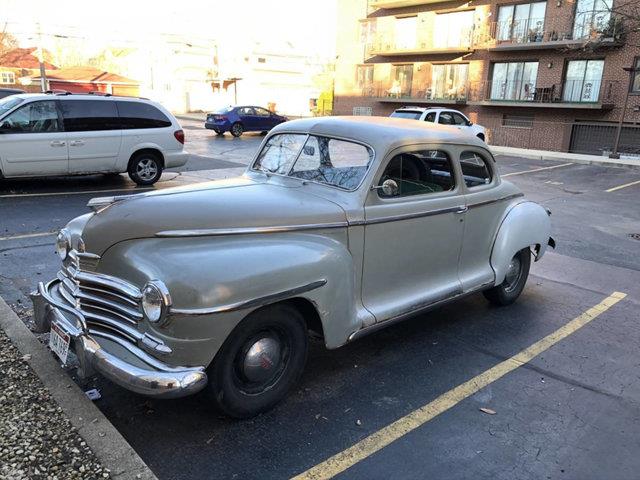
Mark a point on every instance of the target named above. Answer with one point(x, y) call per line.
point(231, 387)
point(218, 132)
point(237, 129)
point(510, 289)
point(145, 168)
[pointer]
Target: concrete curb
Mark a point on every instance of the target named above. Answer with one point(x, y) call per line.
point(570, 157)
point(109, 446)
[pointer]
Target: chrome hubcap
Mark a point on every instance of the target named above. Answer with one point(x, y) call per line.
point(262, 360)
point(513, 273)
point(146, 169)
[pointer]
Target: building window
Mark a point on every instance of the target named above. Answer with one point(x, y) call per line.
point(401, 78)
point(406, 30)
point(364, 80)
point(514, 81)
point(7, 78)
point(635, 83)
point(521, 23)
point(592, 17)
point(453, 30)
point(583, 81)
point(448, 82)
point(517, 121)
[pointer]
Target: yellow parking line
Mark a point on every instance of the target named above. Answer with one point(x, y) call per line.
point(623, 186)
point(27, 235)
point(536, 170)
point(383, 437)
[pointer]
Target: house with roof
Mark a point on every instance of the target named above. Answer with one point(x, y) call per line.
point(82, 79)
point(19, 66)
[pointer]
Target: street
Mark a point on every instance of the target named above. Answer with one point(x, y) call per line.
point(571, 412)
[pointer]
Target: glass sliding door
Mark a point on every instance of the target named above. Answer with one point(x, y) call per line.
point(401, 78)
point(448, 82)
point(583, 81)
point(592, 17)
point(364, 80)
point(406, 33)
point(453, 30)
point(521, 23)
point(514, 81)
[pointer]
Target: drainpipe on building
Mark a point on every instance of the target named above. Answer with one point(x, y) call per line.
point(631, 70)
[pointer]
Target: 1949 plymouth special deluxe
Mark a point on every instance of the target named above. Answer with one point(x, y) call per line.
point(340, 226)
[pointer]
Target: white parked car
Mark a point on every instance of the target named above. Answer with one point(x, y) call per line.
point(70, 134)
point(443, 116)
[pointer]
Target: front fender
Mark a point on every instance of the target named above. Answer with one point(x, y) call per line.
point(527, 224)
point(206, 272)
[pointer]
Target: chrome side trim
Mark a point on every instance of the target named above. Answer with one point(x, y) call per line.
point(414, 310)
point(206, 232)
point(256, 302)
point(489, 202)
point(408, 216)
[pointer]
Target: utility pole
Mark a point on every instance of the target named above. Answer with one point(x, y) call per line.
point(43, 73)
point(631, 70)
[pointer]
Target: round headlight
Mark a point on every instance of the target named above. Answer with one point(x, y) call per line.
point(63, 243)
point(155, 300)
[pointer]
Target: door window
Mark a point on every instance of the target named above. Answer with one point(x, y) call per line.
point(453, 30)
point(583, 81)
point(592, 16)
point(521, 23)
point(135, 115)
point(419, 173)
point(35, 117)
point(448, 81)
point(406, 33)
point(475, 169)
point(446, 118)
point(89, 115)
point(246, 111)
point(261, 112)
point(459, 119)
point(402, 76)
point(430, 117)
point(514, 81)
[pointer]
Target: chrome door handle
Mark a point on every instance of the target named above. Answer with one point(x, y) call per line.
point(461, 209)
point(58, 143)
point(76, 143)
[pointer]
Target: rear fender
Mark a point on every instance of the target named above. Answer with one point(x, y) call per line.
point(527, 224)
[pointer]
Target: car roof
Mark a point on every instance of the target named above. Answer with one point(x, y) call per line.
point(72, 96)
point(381, 133)
point(421, 109)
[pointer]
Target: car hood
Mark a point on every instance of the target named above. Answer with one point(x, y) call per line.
point(238, 203)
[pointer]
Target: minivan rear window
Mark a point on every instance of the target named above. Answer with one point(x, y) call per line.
point(141, 115)
point(407, 114)
point(89, 115)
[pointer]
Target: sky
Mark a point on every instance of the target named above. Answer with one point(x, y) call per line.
point(308, 24)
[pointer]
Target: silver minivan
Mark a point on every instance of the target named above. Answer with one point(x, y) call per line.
point(73, 134)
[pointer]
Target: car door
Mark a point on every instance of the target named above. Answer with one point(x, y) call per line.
point(413, 236)
point(248, 118)
point(33, 141)
point(94, 134)
point(482, 218)
point(264, 120)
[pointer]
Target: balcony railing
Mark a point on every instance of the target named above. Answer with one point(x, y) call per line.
point(387, 91)
point(575, 93)
point(553, 32)
point(386, 45)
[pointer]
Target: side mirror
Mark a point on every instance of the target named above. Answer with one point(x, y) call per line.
point(469, 123)
point(5, 127)
point(389, 188)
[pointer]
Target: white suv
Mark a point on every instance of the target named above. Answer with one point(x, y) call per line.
point(69, 134)
point(443, 116)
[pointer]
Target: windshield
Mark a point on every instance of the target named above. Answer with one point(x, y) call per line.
point(330, 161)
point(406, 114)
point(8, 103)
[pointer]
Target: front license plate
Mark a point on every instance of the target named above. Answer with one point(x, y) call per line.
point(59, 342)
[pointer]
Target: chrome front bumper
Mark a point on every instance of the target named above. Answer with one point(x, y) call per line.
point(154, 379)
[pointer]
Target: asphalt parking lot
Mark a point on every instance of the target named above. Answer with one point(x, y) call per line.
point(557, 373)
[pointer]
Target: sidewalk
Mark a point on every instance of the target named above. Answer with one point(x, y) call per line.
point(49, 429)
point(628, 162)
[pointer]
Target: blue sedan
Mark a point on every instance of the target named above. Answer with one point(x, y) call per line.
point(238, 120)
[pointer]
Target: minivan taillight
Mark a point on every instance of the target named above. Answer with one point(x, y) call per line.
point(179, 134)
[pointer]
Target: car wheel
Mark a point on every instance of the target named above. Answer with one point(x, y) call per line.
point(260, 361)
point(145, 168)
point(218, 131)
point(236, 129)
point(510, 289)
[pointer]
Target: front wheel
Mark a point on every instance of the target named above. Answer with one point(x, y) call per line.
point(145, 168)
point(218, 132)
point(260, 361)
point(236, 129)
point(510, 289)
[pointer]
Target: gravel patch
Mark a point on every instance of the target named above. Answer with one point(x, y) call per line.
point(37, 441)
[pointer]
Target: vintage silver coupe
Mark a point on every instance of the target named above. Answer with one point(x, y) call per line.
point(340, 226)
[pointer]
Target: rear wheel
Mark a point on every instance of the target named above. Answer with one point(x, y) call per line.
point(510, 289)
point(145, 168)
point(259, 362)
point(237, 129)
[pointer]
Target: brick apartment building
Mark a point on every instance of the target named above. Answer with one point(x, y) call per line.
point(538, 74)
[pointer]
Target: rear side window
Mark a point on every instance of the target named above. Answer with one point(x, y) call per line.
point(475, 169)
point(89, 115)
point(141, 115)
point(419, 173)
point(406, 114)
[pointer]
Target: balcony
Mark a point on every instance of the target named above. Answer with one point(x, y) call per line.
point(572, 94)
point(596, 29)
point(388, 92)
point(390, 4)
point(386, 48)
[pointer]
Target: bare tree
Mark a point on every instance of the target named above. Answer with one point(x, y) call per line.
point(7, 41)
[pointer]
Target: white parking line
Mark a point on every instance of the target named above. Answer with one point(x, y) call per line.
point(623, 186)
point(536, 170)
point(27, 235)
